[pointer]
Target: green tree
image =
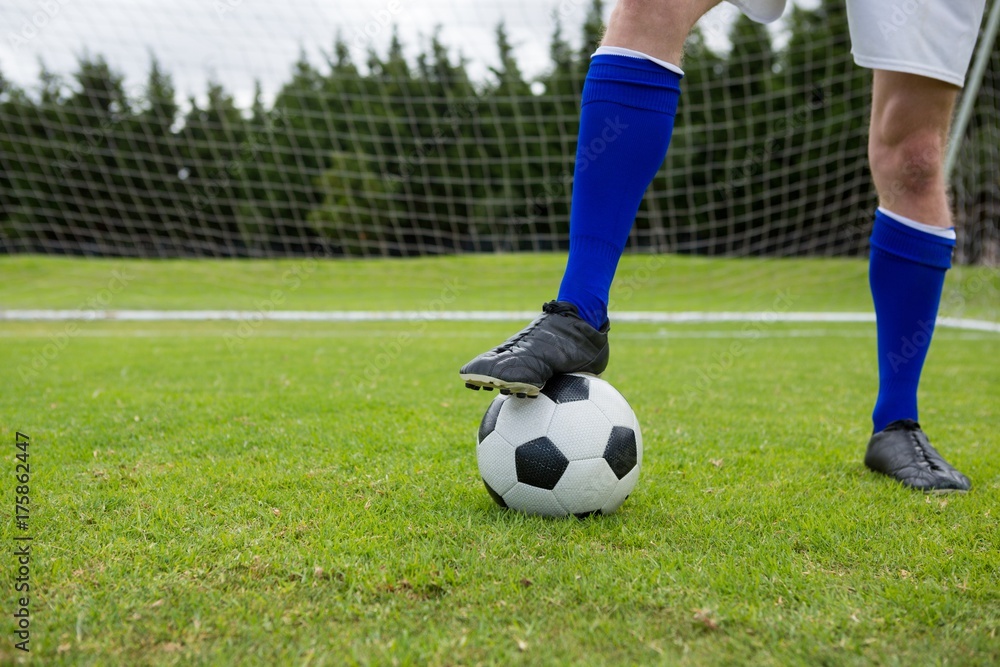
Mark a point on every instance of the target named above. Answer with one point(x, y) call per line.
point(155, 159)
point(593, 33)
point(831, 198)
point(87, 184)
point(215, 157)
point(10, 120)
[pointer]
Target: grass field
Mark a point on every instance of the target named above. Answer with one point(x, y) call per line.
point(307, 494)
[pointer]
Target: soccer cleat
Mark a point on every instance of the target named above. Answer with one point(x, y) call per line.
point(902, 451)
point(557, 342)
point(761, 11)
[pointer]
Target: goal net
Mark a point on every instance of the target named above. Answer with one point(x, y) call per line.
point(248, 128)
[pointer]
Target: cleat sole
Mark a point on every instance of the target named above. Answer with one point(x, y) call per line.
point(519, 389)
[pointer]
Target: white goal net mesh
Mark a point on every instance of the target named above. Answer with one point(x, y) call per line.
point(249, 128)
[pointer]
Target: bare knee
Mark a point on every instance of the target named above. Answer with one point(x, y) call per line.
point(907, 163)
point(664, 21)
point(906, 144)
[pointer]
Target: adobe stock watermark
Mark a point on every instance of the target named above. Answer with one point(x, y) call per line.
point(628, 284)
point(378, 21)
point(31, 27)
point(534, 205)
point(291, 280)
point(22, 554)
point(715, 24)
point(915, 170)
point(955, 299)
point(213, 185)
point(566, 7)
point(755, 160)
point(117, 282)
point(448, 132)
point(858, 225)
point(901, 14)
point(95, 138)
point(427, 146)
point(954, 302)
point(725, 361)
point(910, 346)
point(612, 129)
point(394, 348)
point(223, 7)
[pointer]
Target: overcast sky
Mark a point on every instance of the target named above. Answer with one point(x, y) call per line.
point(236, 41)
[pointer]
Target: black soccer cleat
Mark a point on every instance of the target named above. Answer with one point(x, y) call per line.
point(902, 451)
point(557, 342)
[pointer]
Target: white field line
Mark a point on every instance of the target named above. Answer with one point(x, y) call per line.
point(452, 316)
point(662, 334)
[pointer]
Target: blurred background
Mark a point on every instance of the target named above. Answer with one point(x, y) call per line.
point(248, 128)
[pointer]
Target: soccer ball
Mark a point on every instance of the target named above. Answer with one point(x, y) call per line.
point(576, 449)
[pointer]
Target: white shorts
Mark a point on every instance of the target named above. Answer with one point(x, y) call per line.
point(933, 38)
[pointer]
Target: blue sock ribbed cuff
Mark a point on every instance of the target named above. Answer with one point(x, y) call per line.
point(595, 248)
point(632, 82)
point(894, 238)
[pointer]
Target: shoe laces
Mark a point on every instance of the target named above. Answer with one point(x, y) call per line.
point(903, 425)
point(913, 428)
point(558, 308)
point(549, 308)
point(921, 452)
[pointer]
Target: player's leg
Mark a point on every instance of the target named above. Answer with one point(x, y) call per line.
point(912, 242)
point(911, 117)
point(627, 113)
point(626, 120)
point(918, 71)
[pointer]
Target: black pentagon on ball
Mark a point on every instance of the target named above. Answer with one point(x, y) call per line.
point(567, 388)
point(489, 423)
point(539, 463)
point(497, 498)
point(620, 452)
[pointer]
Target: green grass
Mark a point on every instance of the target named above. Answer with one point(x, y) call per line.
point(501, 282)
point(285, 500)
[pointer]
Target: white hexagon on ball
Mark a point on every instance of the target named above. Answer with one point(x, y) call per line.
point(496, 463)
point(610, 402)
point(621, 491)
point(585, 486)
point(579, 431)
point(524, 419)
point(533, 500)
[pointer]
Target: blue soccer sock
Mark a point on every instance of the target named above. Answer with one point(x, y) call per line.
point(906, 274)
point(626, 121)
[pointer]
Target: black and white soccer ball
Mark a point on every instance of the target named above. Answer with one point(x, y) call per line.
point(576, 449)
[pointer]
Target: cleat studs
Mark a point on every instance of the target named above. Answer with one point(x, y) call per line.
point(487, 387)
point(472, 386)
point(521, 394)
point(505, 392)
point(532, 395)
